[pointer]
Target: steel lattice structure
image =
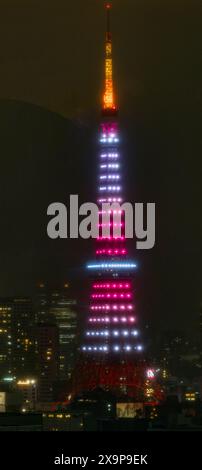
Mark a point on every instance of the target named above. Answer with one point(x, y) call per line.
point(111, 350)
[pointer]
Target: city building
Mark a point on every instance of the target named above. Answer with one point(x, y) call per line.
point(98, 403)
point(23, 338)
point(5, 338)
point(17, 346)
point(57, 306)
point(47, 358)
point(28, 389)
point(11, 399)
point(21, 422)
point(42, 305)
point(62, 421)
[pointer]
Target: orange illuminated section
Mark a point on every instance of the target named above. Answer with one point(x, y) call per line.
point(108, 99)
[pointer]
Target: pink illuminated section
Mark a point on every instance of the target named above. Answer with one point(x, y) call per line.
point(111, 212)
point(109, 199)
point(109, 128)
point(111, 252)
point(109, 307)
point(112, 285)
point(111, 296)
point(111, 225)
point(111, 238)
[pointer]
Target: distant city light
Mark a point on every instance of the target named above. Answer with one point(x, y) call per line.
point(150, 374)
point(26, 382)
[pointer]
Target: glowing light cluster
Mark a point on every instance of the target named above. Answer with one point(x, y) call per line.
point(115, 333)
point(110, 188)
point(150, 373)
point(108, 99)
point(112, 307)
point(110, 238)
point(97, 333)
point(110, 166)
point(110, 177)
point(109, 139)
point(111, 225)
point(112, 285)
point(111, 296)
point(109, 127)
point(110, 212)
point(112, 319)
point(95, 348)
point(127, 348)
point(110, 199)
point(111, 252)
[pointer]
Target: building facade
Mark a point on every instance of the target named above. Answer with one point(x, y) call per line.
point(17, 346)
point(48, 353)
point(5, 338)
point(56, 306)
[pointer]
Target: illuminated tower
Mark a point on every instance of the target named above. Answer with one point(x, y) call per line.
point(111, 344)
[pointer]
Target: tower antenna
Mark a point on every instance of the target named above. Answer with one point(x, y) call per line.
point(108, 7)
point(108, 101)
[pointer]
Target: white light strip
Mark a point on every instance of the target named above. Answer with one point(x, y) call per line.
point(109, 177)
point(103, 348)
point(112, 265)
point(109, 140)
point(110, 188)
point(110, 199)
point(116, 333)
point(110, 166)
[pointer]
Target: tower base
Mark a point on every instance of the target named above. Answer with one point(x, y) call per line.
point(120, 378)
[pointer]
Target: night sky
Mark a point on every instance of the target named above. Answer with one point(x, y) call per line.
point(51, 70)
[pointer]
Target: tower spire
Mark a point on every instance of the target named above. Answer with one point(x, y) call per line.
point(108, 9)
point(108, 99)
